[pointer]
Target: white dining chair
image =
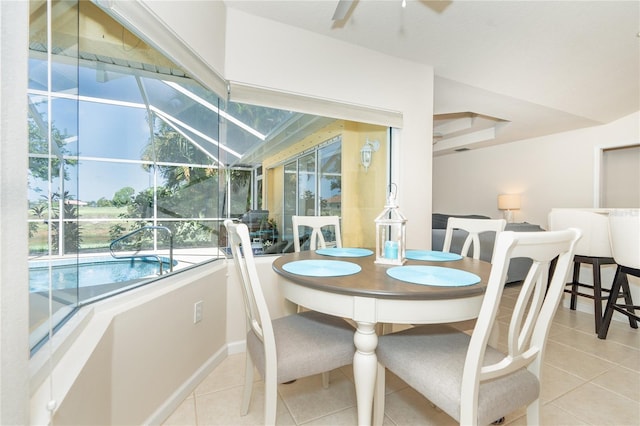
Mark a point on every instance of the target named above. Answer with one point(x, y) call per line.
point(460, 373)
point(473, 227)
point(624, 232)
point(316, 223)
point(287, 348)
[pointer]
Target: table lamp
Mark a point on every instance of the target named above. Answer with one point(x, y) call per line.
point(508, 203)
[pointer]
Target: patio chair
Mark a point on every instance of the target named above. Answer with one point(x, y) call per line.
point(317, 225)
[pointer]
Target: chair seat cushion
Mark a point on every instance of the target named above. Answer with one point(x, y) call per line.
point(431, 359)
point(306, 343)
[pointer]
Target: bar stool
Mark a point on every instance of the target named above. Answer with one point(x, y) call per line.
point(624, 227)
point(592, 249)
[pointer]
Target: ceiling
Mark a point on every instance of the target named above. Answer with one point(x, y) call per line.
point(504, 70)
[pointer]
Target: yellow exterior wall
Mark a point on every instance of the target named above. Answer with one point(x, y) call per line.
point(363, 194)
point(273, 187)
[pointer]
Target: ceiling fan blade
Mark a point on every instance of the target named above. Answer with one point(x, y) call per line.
point(342, 9)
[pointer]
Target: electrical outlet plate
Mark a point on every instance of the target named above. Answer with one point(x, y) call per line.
point(197, 312)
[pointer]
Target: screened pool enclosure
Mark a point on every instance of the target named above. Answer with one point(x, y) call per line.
point(134, 161)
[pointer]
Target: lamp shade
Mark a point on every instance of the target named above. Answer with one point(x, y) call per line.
point(509, 202)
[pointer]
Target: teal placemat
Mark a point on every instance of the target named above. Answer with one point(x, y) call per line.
point(344, 252)
point(321, 268)
point(431, 255)
point(433, 275)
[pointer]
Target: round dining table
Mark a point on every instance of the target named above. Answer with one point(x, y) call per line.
point(368, 295)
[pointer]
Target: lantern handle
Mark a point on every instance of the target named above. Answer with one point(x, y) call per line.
point(391, 198)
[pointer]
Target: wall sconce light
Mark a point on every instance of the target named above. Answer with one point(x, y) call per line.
point(509, 202)
point(366, 153)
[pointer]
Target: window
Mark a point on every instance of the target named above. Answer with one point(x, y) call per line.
point(133, 166)
point(330, 179)
point(312, 183)
point(307, 185)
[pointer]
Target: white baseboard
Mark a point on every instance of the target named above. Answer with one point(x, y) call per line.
point(180, 394)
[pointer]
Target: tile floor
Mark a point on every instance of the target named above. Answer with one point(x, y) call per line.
point(586, 381)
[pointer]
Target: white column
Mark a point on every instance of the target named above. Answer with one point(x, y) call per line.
point(14, 277)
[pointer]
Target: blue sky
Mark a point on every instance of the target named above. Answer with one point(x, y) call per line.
point(96, 130)
point(105, 131)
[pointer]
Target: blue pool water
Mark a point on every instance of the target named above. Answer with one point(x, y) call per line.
point(70, 273)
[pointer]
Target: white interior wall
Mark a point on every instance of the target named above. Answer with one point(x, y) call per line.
point(550, 171)
point(160, 335)
point(14, 293)
point(138, 355)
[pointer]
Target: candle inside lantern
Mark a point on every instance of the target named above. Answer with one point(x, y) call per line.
point(391, 249)
point(391, 233)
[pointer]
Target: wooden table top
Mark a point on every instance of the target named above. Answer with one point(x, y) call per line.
point(373, 281)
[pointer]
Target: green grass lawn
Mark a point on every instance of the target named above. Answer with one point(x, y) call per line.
point(95, 235)
point(86, 212)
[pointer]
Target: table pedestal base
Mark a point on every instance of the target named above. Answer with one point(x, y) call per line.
point(365, 365)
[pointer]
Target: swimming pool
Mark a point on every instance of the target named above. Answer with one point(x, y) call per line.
point(91, 271)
